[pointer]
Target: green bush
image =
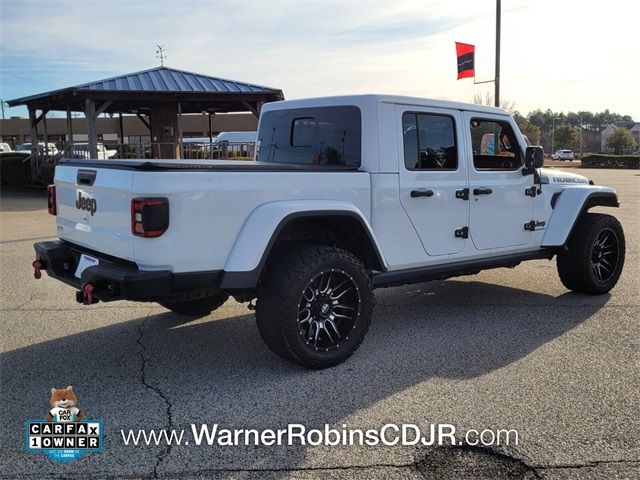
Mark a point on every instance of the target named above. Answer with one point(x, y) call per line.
point(45, 174)
point(12, 169)
point(611, 161)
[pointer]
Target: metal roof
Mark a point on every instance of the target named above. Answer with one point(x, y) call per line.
point(159, 80)
point(164, 79)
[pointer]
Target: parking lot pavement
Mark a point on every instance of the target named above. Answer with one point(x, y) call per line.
point(504, 349)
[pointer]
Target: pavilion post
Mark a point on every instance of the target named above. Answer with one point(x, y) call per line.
point(121, 127)
point(69, 132)
point(211, 135)
point(179, 152)
point(46, 135)
point(33, 124)
point(90, 113)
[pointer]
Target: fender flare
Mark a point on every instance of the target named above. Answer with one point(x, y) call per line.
point(261, 229)
point(568, 206)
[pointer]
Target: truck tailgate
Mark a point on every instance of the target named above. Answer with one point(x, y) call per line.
point(94, 208)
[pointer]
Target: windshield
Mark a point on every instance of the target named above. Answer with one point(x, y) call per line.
point(23, 147)
point(311, 136)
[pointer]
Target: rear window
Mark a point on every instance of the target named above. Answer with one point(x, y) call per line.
point(311, 136)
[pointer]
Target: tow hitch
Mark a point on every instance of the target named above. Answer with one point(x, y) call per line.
point(85, 296)
point(37, 266)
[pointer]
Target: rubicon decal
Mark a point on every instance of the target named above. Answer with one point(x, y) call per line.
point(575, 179)
point(64, 435)
point(86, 203)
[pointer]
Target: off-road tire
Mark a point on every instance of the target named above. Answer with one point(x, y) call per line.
point(576, 264)
point(196, 307)
point(281, 292)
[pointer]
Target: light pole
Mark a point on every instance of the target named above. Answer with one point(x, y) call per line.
point(497, 75)
point(496, 78)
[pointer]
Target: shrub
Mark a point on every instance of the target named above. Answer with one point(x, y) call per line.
point(611, 161)
point(13, 170)
point(45, 173)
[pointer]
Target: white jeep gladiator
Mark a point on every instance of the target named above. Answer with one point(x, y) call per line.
point(346, 194)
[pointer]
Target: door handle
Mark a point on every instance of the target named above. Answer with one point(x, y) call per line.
point(463, 194)
point(421, 193)
point(86, 177)
point(482, 191)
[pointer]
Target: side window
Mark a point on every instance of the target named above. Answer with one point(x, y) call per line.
point(494, 145)
point(429, 142)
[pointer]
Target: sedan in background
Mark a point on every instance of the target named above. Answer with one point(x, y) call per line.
point(563, 155)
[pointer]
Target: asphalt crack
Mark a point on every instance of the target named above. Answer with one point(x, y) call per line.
point(144, 359)
point(480, 461)
point(590, 464)
point(32, 296)
point(391, 468)
point(442, 462)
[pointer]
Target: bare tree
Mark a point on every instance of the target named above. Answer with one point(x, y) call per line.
point(506, 104)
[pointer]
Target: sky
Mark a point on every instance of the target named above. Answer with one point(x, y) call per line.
point(567, 55)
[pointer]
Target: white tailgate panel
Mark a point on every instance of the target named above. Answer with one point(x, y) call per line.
point(108, 229)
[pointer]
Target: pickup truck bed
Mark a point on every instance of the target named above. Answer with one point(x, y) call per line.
point(209, 203)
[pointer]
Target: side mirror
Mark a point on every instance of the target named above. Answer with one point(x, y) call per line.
point(533, 157)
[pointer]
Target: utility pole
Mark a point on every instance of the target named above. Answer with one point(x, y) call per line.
point(497, 76)
point(553, 132)
point(160, 54)
point(2, 106)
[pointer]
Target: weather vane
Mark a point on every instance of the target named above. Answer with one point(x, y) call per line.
point(160, 54)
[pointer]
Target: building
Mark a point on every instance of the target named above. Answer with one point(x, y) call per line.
point(15, 131)
point(633, 127)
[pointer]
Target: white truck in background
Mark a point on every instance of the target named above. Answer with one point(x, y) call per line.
point(225, 145)
point(346, 194)
point(81, 150)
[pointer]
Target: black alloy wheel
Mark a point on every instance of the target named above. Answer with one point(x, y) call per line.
point(314, 305)
point(604, 256)
point(329, 309)
point(593, 258)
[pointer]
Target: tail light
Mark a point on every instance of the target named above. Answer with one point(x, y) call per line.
point(149, 216)
point(52, 205)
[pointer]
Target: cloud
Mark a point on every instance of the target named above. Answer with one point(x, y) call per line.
point(331, 47)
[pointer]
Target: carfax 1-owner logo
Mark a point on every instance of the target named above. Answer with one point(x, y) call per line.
point(64, 434)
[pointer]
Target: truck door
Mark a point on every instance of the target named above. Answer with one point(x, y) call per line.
point(433, 176)
point(499, 194)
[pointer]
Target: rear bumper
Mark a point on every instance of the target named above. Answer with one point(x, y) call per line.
point(115, 279)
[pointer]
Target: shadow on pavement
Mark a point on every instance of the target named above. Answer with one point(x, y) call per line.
point(22, 199)
point(166, 370)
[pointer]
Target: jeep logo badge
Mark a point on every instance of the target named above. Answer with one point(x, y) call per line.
point(86, 203)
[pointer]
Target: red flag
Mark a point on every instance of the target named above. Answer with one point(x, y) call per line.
point(466, 60)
